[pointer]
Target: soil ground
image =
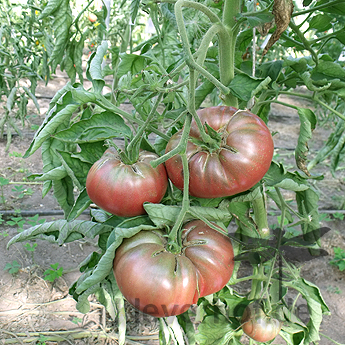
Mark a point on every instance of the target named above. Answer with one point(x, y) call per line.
point(33, 308)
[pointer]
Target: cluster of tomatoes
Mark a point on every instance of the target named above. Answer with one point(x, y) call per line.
point(157, 281)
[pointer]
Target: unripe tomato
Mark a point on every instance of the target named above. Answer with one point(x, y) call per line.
point(120, 188)
point(161, 283)
point(257, 325)
point(242, 159)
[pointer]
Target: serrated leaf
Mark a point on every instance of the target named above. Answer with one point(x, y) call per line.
point(99, 127)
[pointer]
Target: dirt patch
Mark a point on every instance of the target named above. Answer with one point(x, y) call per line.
point(34, 307)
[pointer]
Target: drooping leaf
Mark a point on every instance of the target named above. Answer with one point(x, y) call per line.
point(316, 306)
point(94, 68)
point(282, 11)
point(81, 204)
point(61, 231)
point(105, 264)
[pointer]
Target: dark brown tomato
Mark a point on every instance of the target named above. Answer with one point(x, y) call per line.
point(257, 325)
point(243, 158)
point(161, 283)
point(121, 189)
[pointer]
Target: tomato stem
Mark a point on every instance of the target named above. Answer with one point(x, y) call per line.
point(173, 235)
point(179, 148)
point(133, 148)
point(105, 104)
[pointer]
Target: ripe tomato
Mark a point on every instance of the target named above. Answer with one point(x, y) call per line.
point(243, 158)
point(92, 17)
point(121, 189)
point(257, 325)
point(161, 283)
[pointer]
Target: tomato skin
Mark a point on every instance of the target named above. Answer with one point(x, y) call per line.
point(242, 160)
point(152, 279)
point(213, 259)
point(257, 325)
point(122, 189)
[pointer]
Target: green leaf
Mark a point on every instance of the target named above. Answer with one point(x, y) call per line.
point(32, 96)
point(321, 22)
point(60, 231)
point(308, 123)
point(134, 9)
point(243, 85)
point(277, 176)
point(307, 205)
point(90, 152)
point(240, 210)
point(131, 63)
point(81, 204)
point(260, 18)
point(162, 215)
point(76, 169)
point(61, 28)
point(60, 113)
point(328, 69)
point(99, 127)
point(335, 138)
point(105, 264)
point(11, 99)
point(50, 8)
point(214, 330)
point(94, 70)
point(316, 306)
point(54, 174)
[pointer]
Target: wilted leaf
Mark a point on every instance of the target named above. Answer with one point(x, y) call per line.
point(282, 11)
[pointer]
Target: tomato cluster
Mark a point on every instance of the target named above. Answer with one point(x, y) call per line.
point(162, 283)
point(240, 161)
point(150, 276)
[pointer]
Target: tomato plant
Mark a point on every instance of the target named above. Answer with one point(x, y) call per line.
point(257, 325)
point(188, 93)
point(152, 278)
point(121, 188)
point(235, 163)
